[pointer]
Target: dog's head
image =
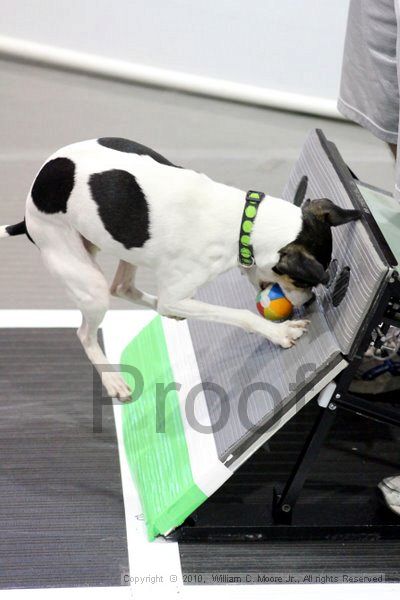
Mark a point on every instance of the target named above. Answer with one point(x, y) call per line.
point(303, 263)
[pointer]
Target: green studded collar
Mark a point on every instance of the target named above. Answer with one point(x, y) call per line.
point(246, 256)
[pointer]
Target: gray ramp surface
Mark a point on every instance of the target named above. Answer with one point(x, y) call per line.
point(259, 378)
point(62, 518)
point(352, 245)
point(257, 381)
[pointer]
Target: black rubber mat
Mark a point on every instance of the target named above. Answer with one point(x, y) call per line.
point(62, 518)
point(357, 455)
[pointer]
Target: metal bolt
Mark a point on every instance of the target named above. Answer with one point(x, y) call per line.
point(338, 396)
point(332, 406)
point(286, 508)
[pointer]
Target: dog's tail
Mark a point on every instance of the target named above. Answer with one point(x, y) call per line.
point(10, 230)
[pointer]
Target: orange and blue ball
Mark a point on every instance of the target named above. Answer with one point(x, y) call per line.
point(272, 303)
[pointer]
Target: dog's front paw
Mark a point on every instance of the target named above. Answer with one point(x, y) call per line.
point(290, 331)
point(116, 386)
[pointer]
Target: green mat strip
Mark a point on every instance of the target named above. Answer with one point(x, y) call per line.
point(159, 461)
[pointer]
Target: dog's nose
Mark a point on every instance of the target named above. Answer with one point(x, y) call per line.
point(263, 285)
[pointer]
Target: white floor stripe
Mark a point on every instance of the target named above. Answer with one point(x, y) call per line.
point(386, 591)
point(78, 593)
point(154, 566)
point(353, 591)
point(209, 473)
point(40, 318)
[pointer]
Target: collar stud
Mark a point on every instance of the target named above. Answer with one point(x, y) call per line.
point(246, 255)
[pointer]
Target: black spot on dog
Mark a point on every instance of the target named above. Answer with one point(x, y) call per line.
point(53, 186)
point(123, 145)
point(122, 206)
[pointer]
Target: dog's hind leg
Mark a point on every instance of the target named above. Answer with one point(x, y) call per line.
point(68, 259)
point(123, 286)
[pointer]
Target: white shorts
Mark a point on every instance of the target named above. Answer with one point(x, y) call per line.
point(369, 91)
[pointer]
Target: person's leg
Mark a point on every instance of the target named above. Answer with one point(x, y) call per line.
point(369, 96)
point(369, 91)
point(393, 147)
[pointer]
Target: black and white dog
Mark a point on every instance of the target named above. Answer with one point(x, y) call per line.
point(118, 196)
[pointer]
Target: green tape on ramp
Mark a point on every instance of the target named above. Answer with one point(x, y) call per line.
point(159, 460)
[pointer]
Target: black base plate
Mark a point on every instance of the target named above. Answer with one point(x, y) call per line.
point(254, 523)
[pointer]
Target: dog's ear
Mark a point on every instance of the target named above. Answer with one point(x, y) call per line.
point(304, 270)
point(325, 210)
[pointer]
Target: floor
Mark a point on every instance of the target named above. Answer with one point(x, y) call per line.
point(249, 147)
point(62, 517)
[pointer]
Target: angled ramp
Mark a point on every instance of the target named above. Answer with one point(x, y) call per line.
point(212, 394)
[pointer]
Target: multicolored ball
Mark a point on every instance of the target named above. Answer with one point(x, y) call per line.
point(273, 304)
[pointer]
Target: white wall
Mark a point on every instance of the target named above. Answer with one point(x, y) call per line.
point(288, 45)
